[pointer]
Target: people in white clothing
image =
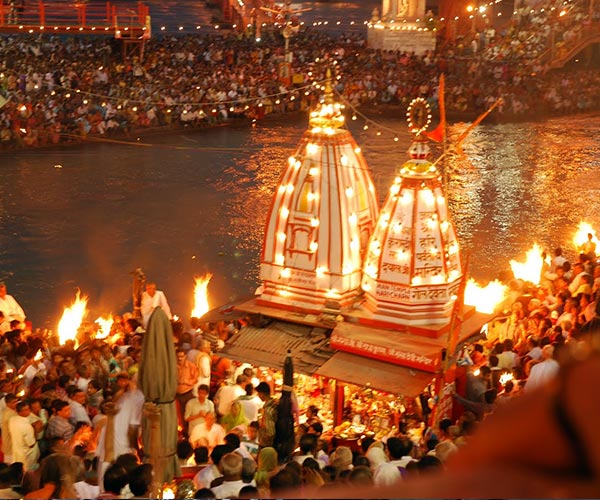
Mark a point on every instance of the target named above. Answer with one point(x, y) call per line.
point(151, 299)
point(24, 444)
point(196, 409)
point(209, 433)
point(10, 307)
point(544, 371)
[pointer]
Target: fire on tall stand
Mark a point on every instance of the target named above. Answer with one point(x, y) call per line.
point(71, 319)
point(201, 296)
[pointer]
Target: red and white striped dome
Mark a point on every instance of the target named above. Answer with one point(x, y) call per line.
point(413, 270)
point(322, 216)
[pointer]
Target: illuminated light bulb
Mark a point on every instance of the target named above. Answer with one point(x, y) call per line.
point(279, 259)
point(366, 127)
point(352, 218)
point(344, 160)
point(284, 293)
point(427, 196)
point(366, 286)
point(349, 192)
point(285, 272)
point(406, 198)
point(453, 275)
point(321, 270)
point(314, 222)
point(416, 280)
point(282, 189)
point(312, 148)
point(441, 200)
point(281, 236)
point(371, 188)
point(290, 188)
point(313, 246)
point(313, 171)
point(375, 248)
point(453, 249)
point(431, 223)
point(354, 246)
point(371, 271)
point(310, 196)
point(437, 279)
point(378, 132)
point(353, 117)
point(396, 139)
point(433, 251)
point(402, 256)
point(444, 225)
point(357, 150)
point(394, 189)
point(397, 228)
point(284, 212)
point(297, 164)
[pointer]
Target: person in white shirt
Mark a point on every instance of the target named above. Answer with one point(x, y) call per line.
point(24, 444)
point(9, 306)
point(126, 423)
point(151, 299)
point(227, 394)
point(542, 372)
point(196, 409)
point(231, 468)
point(78, 410)
point(209, 433)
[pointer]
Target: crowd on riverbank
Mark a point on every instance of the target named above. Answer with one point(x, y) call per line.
point(54, 405)
point(63, 89)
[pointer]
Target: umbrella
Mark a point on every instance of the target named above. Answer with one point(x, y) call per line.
point(284, 441)
point(157, 379)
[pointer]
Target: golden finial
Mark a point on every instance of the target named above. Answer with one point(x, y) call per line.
point(328, 115)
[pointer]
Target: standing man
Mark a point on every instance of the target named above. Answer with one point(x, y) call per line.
point(151, 299)
point(10, 412)
point(24, 444)
point(9, 306)
point(267, 417)
point(187, 376)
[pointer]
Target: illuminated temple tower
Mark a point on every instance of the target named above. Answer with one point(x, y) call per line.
point(401, 25)
point(412, 270)
point(321, 218)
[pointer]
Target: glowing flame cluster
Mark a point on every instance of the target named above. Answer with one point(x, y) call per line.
point(581, 235)
point(485, 299)
point(201, 306)
point(71, 319)
point(105, 325)
point(506, 377)
point(531, 269)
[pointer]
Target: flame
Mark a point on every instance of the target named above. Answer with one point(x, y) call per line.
point(71, 319)
point(38, 356)
point(105, 325)
point(581, 235)
point(201, 296)
point(506, 377)
point(168, 493)
point(532, 268)
point(485, 299)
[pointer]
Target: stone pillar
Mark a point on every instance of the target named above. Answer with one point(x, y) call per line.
point(152, 413)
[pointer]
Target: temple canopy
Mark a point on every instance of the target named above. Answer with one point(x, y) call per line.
point(321, 218)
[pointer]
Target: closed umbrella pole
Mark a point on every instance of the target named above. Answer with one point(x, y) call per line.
point(158, 381)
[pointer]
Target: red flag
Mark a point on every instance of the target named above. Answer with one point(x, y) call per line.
point(439, 133)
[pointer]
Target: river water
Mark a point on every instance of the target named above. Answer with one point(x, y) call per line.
point(188, 203)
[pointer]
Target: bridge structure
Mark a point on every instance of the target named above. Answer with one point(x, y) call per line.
point(130, 24)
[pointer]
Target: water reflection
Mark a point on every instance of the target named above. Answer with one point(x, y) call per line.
point(197, 202)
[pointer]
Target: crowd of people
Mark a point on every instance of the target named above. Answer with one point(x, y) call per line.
point(62, 89)
point(55, 400)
